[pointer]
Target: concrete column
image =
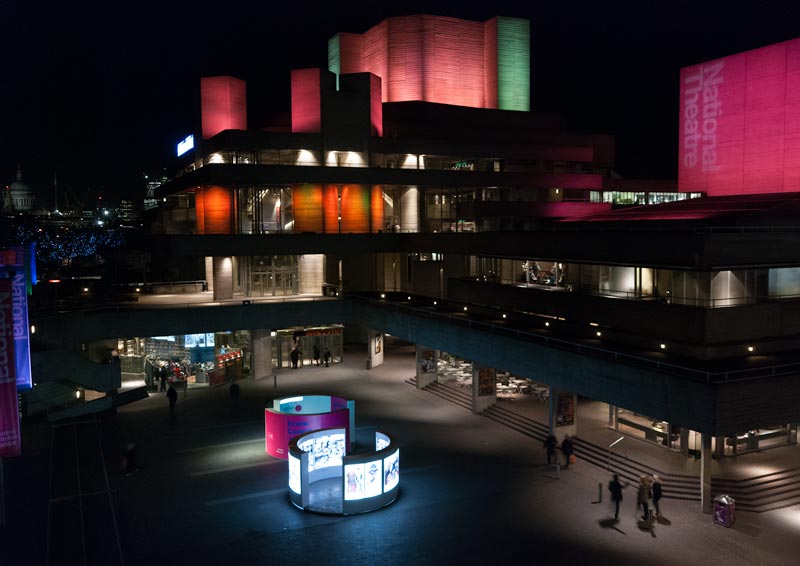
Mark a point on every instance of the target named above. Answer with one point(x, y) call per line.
point(223, 278)
point(551, 410)
point(409, 209)
point(375, 347)
point(310, 274)
point(484, 387)
point(427, 366)
point(705, 473)
point(685, 441)
point(611, 416)
point(209, 264)
point(261, 349)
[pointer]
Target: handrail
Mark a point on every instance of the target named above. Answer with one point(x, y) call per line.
point(621, 357)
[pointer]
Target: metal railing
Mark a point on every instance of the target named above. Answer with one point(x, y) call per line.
point(604, 353)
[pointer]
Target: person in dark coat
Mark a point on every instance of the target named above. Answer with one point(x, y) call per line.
point(567, 450)
point(550, 446)
point(326, 357)
point(316, 354)
point(642, 497)
point(657, 493)
point(172, 395)
point(295, 355)
point(162, 374)
point(615, 487)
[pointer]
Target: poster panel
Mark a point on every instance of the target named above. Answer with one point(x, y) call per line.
point(566, 410)
point(10, 441)
point(486, 382)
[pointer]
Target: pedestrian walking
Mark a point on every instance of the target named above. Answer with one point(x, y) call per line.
point(642, 497)
point(295, 355)
point(316, 354)
point(550, 446)
point(234, 391)
point(326, 356)
point(657, 493)
point(172, 395)
point(567, 449)
point(615, 487)
point(162, 374)
point(129, 459)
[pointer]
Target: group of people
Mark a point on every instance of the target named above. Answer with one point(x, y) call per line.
point(296, 355)
point(649, 490)
point(567, 449)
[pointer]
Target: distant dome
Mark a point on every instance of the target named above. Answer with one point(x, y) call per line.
point(20, 194)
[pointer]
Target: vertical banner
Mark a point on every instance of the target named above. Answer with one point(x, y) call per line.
point(10, 444)
point(566, 410)
point(15, 265)
point(486, 382)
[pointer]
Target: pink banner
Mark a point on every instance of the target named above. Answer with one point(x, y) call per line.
point(9, 412)
point(740, 123)
point(281, 428)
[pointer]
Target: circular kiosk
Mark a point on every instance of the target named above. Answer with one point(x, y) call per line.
point(324, 479)
point(292, 416)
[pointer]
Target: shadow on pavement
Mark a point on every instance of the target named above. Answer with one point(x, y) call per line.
point(611, 523)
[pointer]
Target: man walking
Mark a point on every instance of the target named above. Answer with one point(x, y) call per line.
point(172, 395)
point(615, 487)
point(567, 449)
point(656, 488)
point(550, 446)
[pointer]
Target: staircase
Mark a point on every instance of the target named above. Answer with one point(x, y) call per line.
point(767, 492)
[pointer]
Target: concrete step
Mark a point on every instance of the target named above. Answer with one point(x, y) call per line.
point(758, 494)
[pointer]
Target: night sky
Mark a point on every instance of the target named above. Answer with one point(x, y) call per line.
point(100, 93)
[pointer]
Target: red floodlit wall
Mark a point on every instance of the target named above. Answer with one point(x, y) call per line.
point(376, 208)
point(490, 62)
point(213, 210)
point(306, 109)
point(307, 204)
point(223, 105)
point(375, 106)
point(330, 204)
point(739, 127)
point(355, 209)
point(422, 57)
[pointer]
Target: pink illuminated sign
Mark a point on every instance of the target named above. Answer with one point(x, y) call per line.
point(739, 125)
point(10, 444)
point(280, 428)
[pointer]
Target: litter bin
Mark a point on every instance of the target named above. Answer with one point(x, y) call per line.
point(724, 510)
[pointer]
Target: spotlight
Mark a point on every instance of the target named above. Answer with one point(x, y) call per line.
point(33, 329)
point(383, 295)
point(599, 334)
point(663, 346)
point(409, 297)
point(751, 349)
point(465, 309)
point(78, 394)
point(547, 324)
point(504, 315)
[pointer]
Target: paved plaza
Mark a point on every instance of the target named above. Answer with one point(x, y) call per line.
point(472, 491)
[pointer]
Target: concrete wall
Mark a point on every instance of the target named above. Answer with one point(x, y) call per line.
point(310, 271)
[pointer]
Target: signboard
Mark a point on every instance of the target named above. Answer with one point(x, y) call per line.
point(13, 264)
point(739, 123)
point(566, 410)
point(281, 428)
point(486, 382)
point(185, 145)
point(10, 441)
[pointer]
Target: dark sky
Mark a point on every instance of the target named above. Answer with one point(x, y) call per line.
point(100, 92)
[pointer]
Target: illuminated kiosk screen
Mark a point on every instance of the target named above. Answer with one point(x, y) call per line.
point(294, 473)
point(368, 480)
